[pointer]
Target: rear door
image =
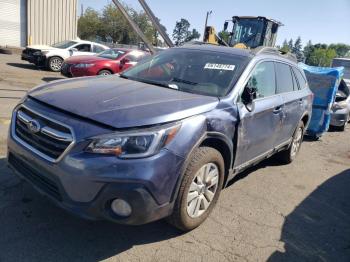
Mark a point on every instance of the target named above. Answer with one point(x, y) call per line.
point(258, 130)
point(288, 89)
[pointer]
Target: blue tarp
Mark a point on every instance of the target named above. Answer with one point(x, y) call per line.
point(323, 82)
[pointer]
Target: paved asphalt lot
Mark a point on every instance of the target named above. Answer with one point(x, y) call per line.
point(297, 212)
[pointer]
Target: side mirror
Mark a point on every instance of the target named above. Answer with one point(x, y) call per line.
point(72, 50)
point(248, 96)
point(225, 26)
point(124, 61)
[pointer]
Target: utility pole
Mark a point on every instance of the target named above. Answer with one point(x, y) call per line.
point(206, 22)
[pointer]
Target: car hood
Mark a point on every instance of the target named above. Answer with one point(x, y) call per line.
point(122, 103)
point(85, 59)
point(42, 47)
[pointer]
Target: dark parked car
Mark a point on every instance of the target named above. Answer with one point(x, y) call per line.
point(111, 61)
point(162, 139)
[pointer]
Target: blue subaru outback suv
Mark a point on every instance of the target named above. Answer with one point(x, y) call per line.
point(162, 139)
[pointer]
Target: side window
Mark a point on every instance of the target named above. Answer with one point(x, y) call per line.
point(284, 78)
point(263, 79)
point(83, 48)
point(301, 80)
point(131, 58)
point(98, 49)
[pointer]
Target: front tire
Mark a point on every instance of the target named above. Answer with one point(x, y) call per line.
point(55, 63)
point(104, 73)
point(199, 189)
point(287, 156)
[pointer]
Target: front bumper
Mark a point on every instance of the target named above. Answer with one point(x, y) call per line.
point(38, 60)
point(339, 117)
point(85, 184)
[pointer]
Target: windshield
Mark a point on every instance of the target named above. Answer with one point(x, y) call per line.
point(64, 44)
point(194, 71)
point(248, 32)
point(112, 54)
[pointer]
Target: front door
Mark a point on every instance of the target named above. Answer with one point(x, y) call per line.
point(258, 129)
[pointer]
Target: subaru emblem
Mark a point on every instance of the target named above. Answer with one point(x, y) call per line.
point(34, 126)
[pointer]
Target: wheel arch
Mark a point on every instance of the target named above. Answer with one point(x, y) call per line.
point(222, 144)
point(106, 69)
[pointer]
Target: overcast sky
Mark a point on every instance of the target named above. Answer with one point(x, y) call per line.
point(322, 21)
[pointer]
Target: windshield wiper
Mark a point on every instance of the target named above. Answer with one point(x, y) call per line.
point(178, 80)
point(146, 81)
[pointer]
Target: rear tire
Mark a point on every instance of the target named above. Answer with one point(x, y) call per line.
point(287, 156)
point(199, 190)
point(55, 63)
point(104, 73)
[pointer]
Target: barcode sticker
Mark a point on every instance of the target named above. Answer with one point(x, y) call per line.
point(219, 67)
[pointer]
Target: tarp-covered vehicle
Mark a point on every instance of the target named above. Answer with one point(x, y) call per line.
point(323, 82)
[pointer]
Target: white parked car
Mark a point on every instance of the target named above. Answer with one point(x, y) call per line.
point(52, 57)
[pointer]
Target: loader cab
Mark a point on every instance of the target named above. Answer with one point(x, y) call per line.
point(252, 32)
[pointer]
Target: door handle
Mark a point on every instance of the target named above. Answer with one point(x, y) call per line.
point(300, 101)
point(277, 110)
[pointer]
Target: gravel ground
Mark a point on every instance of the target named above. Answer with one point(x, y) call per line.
point(273, 212)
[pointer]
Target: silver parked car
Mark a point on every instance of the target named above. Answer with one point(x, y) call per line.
point(341, 107)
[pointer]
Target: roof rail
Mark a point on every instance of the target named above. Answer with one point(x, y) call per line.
point(273, 50)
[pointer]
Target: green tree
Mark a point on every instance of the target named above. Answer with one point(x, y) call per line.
point(224, 35)
point(191, 35)
point(308, 50)
point(89, 25)
point(297, 50)
point(341, 49)
point(285, 46)
point(180, 32)
point(290, 44)
point(322, 57)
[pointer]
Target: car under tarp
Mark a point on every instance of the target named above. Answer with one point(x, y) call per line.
point(323, 82)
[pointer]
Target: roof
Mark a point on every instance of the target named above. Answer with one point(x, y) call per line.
point(216, 48)
point(262, 17)
point(87, 42)
point(249, 53)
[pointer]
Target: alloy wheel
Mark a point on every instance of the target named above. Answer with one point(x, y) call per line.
point(202, 190)
point(297, 140)
point(56, 64)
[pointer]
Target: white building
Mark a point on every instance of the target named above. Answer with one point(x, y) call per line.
point(24, 22)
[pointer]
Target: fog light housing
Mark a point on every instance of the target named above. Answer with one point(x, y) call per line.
point(121, 208)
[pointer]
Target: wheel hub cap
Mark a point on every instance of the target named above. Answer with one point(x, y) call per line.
point(202, 190)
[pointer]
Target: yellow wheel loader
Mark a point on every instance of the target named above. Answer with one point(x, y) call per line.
point(246, 32)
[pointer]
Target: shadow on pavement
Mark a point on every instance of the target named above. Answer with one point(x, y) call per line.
point(24, 66)
point(34, 229)
point(49, 79)
point(319, 228)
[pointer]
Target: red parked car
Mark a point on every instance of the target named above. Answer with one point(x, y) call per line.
point(111, 61)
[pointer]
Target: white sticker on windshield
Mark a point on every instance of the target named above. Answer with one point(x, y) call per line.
point(219, 67)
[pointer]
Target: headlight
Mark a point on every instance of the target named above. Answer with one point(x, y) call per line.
point(133, 145)
point(339, 105)
point(84, 65)
point(37, 53)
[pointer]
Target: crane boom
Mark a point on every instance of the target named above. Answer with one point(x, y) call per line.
point(135, 26)
point(155, 22)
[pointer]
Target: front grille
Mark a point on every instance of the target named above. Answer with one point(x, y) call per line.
point(48, 137)
point(34, 177)
point(29, 51)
